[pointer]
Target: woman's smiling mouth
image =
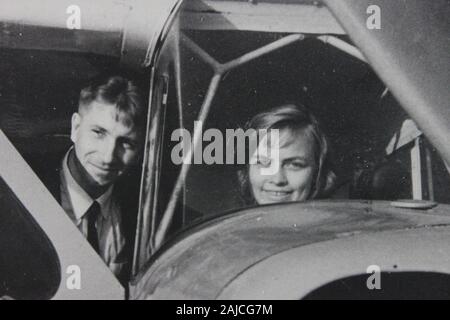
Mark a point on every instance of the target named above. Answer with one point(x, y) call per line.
point(277, 194)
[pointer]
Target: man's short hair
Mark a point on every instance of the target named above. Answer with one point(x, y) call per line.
point(118, 91)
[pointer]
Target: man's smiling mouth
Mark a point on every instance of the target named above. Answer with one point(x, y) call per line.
point(105, 169)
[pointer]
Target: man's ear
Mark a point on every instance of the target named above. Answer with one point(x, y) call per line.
point(76, 121)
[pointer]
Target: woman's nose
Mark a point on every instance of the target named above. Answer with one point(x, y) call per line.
point(279, 177)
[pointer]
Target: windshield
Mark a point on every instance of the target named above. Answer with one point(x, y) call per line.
point(214, 79)
point(29, 264)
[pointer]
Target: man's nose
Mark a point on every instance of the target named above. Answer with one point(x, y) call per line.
point(110, 152)
point(279, 177)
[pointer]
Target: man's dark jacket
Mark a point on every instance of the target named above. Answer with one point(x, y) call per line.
point(126, 190)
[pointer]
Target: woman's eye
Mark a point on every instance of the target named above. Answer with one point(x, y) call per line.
point(295, 165)
point(264, 162)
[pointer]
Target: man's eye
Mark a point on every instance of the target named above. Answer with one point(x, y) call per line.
point(128, 145)
point(98, 133)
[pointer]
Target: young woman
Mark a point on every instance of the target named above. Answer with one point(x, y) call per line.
point(301, 169)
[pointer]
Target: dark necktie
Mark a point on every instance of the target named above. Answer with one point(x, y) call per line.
point(92, 234)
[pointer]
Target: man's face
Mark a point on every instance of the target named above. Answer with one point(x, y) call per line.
point(105, 146)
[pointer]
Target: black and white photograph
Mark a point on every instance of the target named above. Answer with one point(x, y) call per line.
point(233, 150)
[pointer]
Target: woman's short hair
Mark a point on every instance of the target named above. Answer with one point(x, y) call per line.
point(119, 91)
point(298, 120)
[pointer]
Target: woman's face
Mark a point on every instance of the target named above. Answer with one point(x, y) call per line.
point(292, 175)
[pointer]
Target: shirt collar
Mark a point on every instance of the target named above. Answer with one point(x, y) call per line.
point(80, 199)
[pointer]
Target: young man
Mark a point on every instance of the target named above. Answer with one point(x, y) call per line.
point(93, 184)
